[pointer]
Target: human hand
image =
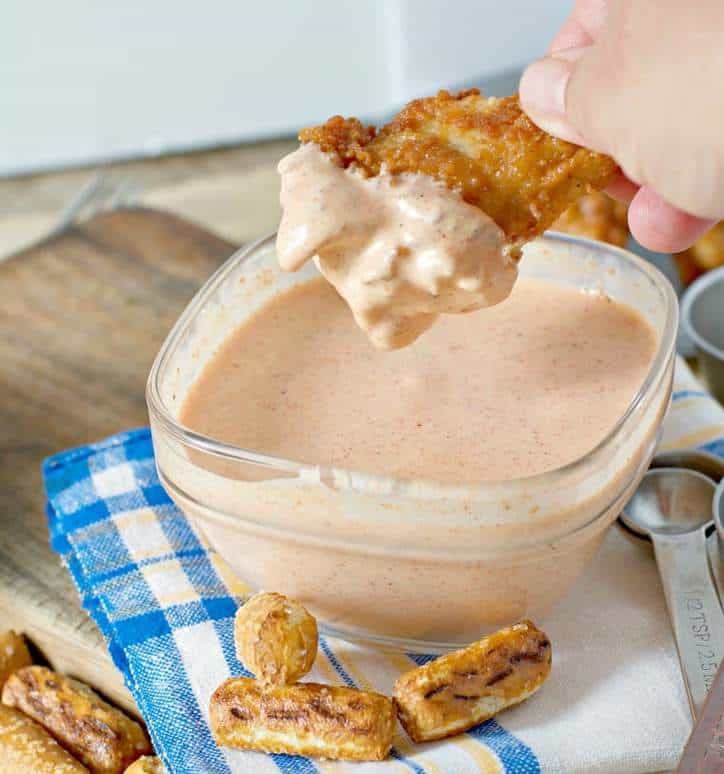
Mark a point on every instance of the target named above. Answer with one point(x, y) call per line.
point(641, 82)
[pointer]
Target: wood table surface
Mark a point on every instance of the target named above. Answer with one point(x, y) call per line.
point(82, 317)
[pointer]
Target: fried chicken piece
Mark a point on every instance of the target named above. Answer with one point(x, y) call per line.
point(596, 216)
point(705, 254)
point(485, 148)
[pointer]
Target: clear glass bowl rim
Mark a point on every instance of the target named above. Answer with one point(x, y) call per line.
point(161, 413)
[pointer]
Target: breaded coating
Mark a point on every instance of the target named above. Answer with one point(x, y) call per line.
point(100, 736)
point(303, 719)
point(596, 216)
point(461, 689)
point(276, 638)
point(705, 254)
point(485, 148)
point(149, 764)
point(27, 748)
point(14, 654)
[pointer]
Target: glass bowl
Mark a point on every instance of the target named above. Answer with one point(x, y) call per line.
point(413, 564)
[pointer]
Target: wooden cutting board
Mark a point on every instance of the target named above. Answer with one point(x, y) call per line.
point(82, 316)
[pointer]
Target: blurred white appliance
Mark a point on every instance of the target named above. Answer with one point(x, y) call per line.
point(90, 80)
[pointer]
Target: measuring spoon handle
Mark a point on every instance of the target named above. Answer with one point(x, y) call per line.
point(694, 609)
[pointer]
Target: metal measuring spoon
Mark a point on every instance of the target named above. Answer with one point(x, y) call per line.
point(673, 507)
point(711, 466)
point(716, 545)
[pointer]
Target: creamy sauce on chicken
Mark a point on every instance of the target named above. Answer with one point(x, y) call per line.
point(401, 250)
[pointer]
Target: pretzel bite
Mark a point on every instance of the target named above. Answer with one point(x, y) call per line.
point(276, 638)
point(14, 654)
point(461, 689)
point(149, 764)
point(100, 736)
point(26, 746)
point(596, 216)
point(705, 254)
point(303, 719)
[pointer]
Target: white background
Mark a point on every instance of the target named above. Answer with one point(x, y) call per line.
point(86, 80)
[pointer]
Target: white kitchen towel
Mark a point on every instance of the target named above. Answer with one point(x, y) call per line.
point(615, 700)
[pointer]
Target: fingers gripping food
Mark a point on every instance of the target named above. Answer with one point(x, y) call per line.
point(428, 215)
point(463, 688)
point(485, 148)
point(14, 654)
point(276, 638)
point(303, 719)
point(100, 736)
point(25, 746)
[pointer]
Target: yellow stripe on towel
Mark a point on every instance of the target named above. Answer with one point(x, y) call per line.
point(696, 438)
point(236, 587)
point(332, 677)
point(401, 743)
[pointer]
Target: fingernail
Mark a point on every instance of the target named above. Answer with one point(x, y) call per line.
point(543, 86)
point(543, 95)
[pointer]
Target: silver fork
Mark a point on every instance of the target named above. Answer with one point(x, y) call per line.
point(99, 194)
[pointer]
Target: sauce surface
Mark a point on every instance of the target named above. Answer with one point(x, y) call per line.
point(518, 389)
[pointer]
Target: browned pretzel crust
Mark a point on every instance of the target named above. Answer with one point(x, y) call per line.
point(486, 148)
point(25, 746)
point(14, 654)
point(463, 688)
point(146, 765)
point(100, 736)
point(303, 719)
point(596, 216)
point(276, 638)
point(705, 254)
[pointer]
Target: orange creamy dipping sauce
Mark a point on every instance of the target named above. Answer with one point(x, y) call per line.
point(517, 389)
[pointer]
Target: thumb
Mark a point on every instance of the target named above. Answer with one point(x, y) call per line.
point(543, 90)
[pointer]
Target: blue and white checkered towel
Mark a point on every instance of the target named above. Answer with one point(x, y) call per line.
point(165, 603)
